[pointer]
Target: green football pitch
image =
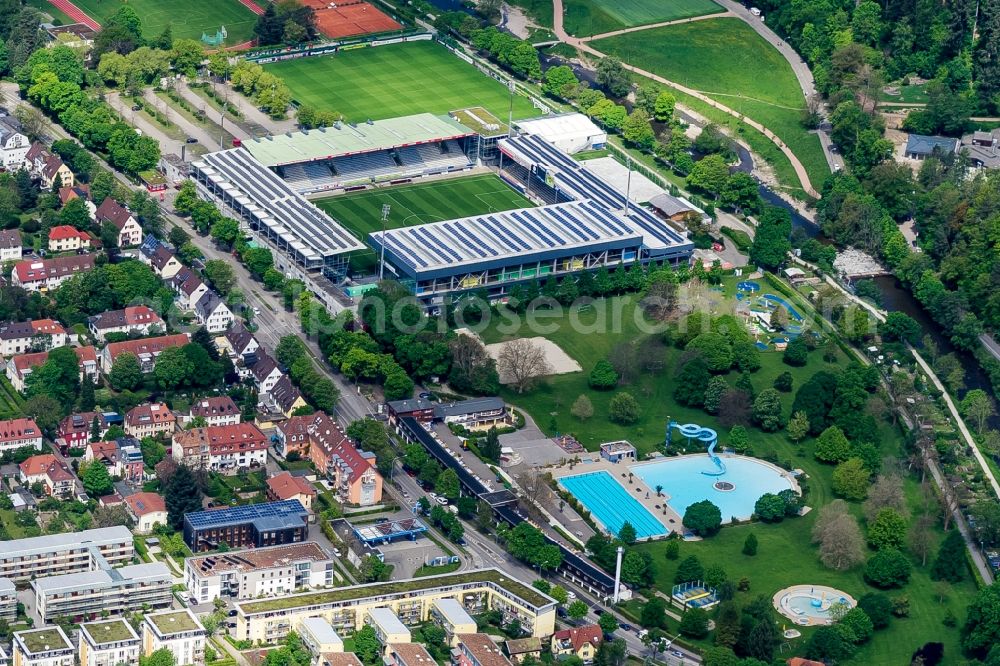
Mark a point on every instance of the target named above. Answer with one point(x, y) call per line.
point(186, 18)
point(395, 80)
point(592, 17)
point(416, 204)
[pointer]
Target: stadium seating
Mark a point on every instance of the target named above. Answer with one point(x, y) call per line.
point(366, 167)
point(432, 159)
point(310, 177)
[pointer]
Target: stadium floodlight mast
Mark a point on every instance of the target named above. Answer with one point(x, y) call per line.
point(381, 262)
point(628, 183)
point(510, 113)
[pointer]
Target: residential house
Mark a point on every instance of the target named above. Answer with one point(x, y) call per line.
point(241, 346)
point(285, 397)
point(188, 287)
point(78, 191)
point(177, 630)
point(19, 367)
point(52, 473)
point(216, 411)
point(75, 430)
point(108, 643)
point(408, 654)
point(129, 231)
point(18, 433)
point(579, 642)
point(920, 147)
point(285, 486)
point(47, 167)
point(10, 245)
point(43, 646)
point(21, 337)
point(122, 457)
point(388, 627)
point(799, 661)
point(149, 420)
point(265, 373)
point(475, 413)
point(135, 320)
point(64, 238)
point(226, 449)
point(155, 254)
point(293, 436)
point(47, 274)
point(148, 510)
point(213, 313)
point(982, 148)
point(477, 650)
point(420, 409)
point(145, 349)
point(519, 649)
point(352, 472)
point(14, 145)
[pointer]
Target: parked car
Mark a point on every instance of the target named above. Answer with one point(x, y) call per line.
point(625, 626)
point(231, 613)
point(190, 139)
point(443, 501)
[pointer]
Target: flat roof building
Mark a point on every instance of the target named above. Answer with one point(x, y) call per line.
point(251, 525)
point(260, 572)
point(44, 646)
point(88, 594)
point(177, 630)
point(108, 643)
point(410, 600)
point(453, 618)
point(55, 554)
point(8, 600)
point(319, 636)
point(387, 626)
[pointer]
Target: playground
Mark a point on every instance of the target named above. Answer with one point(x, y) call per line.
point(812, 605)
point(694, 594)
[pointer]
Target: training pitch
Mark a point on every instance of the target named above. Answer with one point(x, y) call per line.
point(395, 80)
point(186, 18)
point(434, 201)
point(592, 17)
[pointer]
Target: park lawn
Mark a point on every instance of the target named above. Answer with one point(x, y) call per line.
point(449, 199)
point(594, 17)
point(550, 402)
point(59, 17)
point(916, 94)
point(186, 18)
point(727, 60)
point(395, 80)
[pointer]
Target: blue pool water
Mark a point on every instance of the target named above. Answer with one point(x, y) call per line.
point(611, 504)
point(683, 481)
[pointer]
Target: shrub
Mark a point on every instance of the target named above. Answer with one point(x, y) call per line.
point(888, 568)
point(603, 377)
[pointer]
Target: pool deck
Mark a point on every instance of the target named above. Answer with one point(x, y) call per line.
point(635, 487)
point(780, 605)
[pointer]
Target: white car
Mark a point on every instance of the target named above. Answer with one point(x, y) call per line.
point(440, 499)
point(571, 595)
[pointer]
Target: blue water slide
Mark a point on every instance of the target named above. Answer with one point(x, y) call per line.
point(695, 431)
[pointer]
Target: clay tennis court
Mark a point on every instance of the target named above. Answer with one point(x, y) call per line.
point(347, 19)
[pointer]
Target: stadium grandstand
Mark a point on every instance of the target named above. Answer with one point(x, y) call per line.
point(587, 224)
point(348, 156)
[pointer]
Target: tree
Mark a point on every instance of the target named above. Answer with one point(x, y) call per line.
point(709, 174)
point(950, 564)
point(44, 410)
point(603, 377)
point(703, 518)
point(162, 657)
point(96, 480)
point(627, 533)
point(694, 623)
point(75, 214)
point(560, 81)
point(981, 630)
point(221, 275)
point(885, 493)
point(125, 372)
point(691, 381)
point(613, 77)
point(887, 568)
point(257, 260)
point(888, 530)
point(750, 545)
point(173, 368)
point(770, 508)
point(624, 409)
point(714, 394)
point(836, 531)
point(608, 623)
point(447, 484)
point(663, 108)
point(582, 408)
point(740, 192)
point(491, 446)
point(739, 439)
point(878, 608)
point(771, 242)
point(366, 644)
point(57, 378)
point(798, 426)
point(654, 613)
point(827, 644)
point(767, 411)
point(714, 348)
point(637, 130)
point(850, 479)
point(978, 407)
point(901, 327)
point(521, 362)
point(832, 446)
point(577, 610)
point(181, 495)
point(374, 569)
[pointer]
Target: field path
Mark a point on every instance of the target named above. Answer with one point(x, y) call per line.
point(77, 14)
point(650, 26)
point(800, 170)
point(252, 6)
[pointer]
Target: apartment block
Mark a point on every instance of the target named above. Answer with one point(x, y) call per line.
point(478, 650)
point(56, 554)
point(8, 600)
point(248, 526)
point(453, 618)
point(108, 643)
point(88, 594)
point(319, 636)
point(388, 628)
point(178, 631)
point(44, 646)
point(260, 572)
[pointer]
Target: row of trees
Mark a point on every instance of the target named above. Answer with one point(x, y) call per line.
point(265, 89)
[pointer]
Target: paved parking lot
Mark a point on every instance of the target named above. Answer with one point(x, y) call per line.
point(405, 555)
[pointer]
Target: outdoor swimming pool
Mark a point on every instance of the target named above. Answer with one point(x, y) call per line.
point(735, 492)
point(611, 504)
point(810, 604)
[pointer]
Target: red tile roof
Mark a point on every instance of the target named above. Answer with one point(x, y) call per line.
point(34, 270)
point(580, 636)
point(220, 405)
point(135, 315)
point(65, 232)
point(222, 439)
point(24, 362)
point(48, 465)
point(285, 486)
point(146, 345)
point(149, 413)
point(15, 429)
point(145, 503)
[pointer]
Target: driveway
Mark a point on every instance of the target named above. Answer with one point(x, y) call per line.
point(213, 114)
point(151, 129)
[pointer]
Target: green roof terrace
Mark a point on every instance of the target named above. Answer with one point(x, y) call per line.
point(111, 631)
point(174, 622)
point(495, 576)
point(44, 639)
